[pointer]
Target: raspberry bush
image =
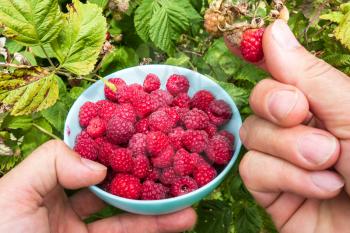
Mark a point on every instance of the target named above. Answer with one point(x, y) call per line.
point(44, 68)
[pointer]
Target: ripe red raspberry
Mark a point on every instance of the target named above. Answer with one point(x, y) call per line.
point(182, 113)
point(105, 150)
point(184, 163)
point(141, 167)
point(168, 176)
point(137, 144)
point(156, 142)
point(172, 113)
point(183, 186)
point(164, 159)
point(107, 110)
point(200, 161)
point(153, 191)
point(121, 160)
point(96, 127)
point(126, 111)
point(219, 150)
point(175, 137)
point(100, 104)
point(182, 100)
point(119, 130)
point(144, 105)
point(160, 121)
point(219, 112)
point(251, 45)
point(127, 186)
point(196, 119)
point(204, 174)
point(230, 137)
point(151, 83)
point(86, 146)
point(142, 126)
point(162, 98)
point(111, 94)
point(211, 130)
point(202, 99)
point(153, 174)
point(127, 94)
point(177, 84)
point(195, 140)
point(87, 112)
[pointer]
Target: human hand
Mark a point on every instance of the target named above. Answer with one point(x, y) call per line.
point(32, 198)
point(286, 166)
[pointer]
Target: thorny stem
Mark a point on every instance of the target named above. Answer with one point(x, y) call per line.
point(45, 131)
point(47, 56)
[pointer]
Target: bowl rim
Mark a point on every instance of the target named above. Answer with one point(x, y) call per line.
point(216, 181)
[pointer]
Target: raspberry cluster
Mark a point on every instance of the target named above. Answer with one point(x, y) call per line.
point(156, 143)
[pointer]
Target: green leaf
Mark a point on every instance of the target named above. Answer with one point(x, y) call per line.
point(18, 122)
point(38, 51)
point(56, 115)
point(143, 16)
point(75, 92)
point(180, 60)
point(100, 3)
point(79, 43)
point(30, 57)
point(28, 90)
point(342, 32)
point(13, 47)
point(345, 8)
point(31, 22)
point(239, 95)
point(213, 216)
point(248, 220)
point(335, 17)
point(120, 58)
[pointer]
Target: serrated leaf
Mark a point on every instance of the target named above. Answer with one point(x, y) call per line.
point(13, 47)
point(345, 8)
point(213, 216)
point(18, 122)
point(29, 57)
point(342, 32)
point(248, 220)
point(100, 3)
point(31, 22)
point(120, 58)
point(143, 16)
point(38, 51)
point(180, 60)
point(75, 92)
point(56, 115)
point(335, 17)
point(239, 95)
point(28, 90)
point(79, 43)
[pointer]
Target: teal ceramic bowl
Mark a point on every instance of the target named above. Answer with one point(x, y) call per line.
point(137, 75)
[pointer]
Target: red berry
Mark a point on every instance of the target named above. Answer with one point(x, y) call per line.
point(204, 174)
point(182, 100)
point(164, 159)
point(230, 137)
point(107, 110)
point(177, 84)
point(156, 142)
point(126, 111)
point(121, 160)
point(211, 130)
point(153, 191)
point(184, 163)
point(142, 126)
point(127, 186)
point(251, 45)
point(172, 113)
point(117, 83)
point(219, 112)
point(96, 127)
point(141, 167)
point(119, 130)
point(162, 98)
point(144, 105)
point(151, 83)
point(195, 140)
point(160, 121)
point(153, 174)
point(168, 176)
point(219, 150)
point(87, 112)
point(202, 99)
point(86, 146)
point(105, 150)
point(200, 161)
point(137, 144)
point(196, 119)
point(183, 186)
point(175, 137)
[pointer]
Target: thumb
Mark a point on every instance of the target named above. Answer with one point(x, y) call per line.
point(50, 165)
point(326, 88)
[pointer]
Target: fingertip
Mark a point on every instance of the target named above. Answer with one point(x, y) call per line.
point(181, 221)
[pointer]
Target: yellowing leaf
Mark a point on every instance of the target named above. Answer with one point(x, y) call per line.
point(335, 17)
point(31, 22)
point(342, 32)
point(28, 90)
point(79, 43)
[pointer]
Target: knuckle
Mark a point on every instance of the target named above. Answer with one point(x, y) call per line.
point(315, 68)
point(245, 167)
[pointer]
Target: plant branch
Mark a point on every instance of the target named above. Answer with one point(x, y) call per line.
point(47, 56)
point(3, 64)
point(45, 131)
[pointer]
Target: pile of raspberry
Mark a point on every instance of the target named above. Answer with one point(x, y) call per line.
point(156, 143)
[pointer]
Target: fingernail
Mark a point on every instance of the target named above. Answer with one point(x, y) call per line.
point(243, 134)
point(282, 102)
point(283, 35)
point(316, 148)
point(93, 165)
point(327, 181)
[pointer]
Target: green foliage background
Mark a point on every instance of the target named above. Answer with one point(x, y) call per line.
point(60, 51)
